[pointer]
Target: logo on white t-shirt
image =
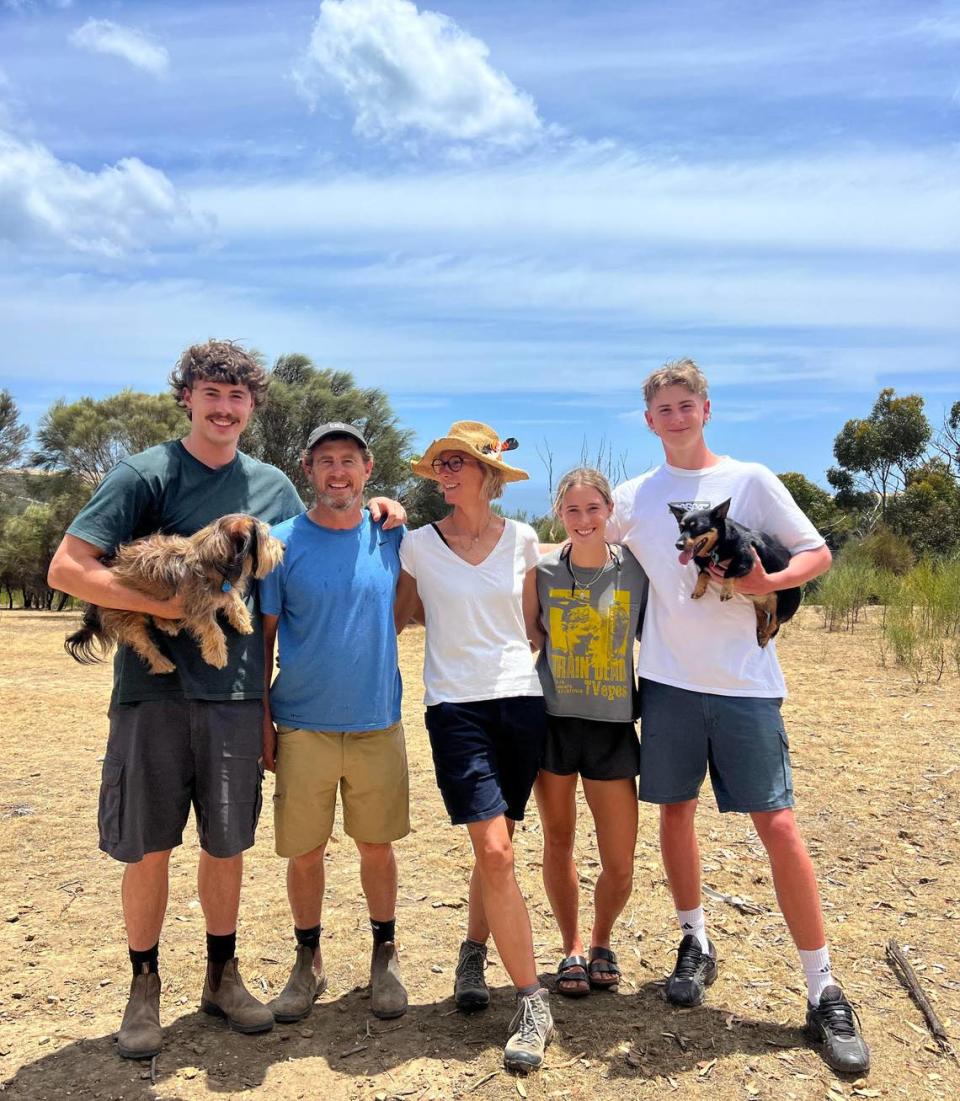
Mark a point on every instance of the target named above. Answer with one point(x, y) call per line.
point(691, 506)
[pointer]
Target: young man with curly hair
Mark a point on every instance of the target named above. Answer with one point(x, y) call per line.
point(193, 736)
point(710, 696)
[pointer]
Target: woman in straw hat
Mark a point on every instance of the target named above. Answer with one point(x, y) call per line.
point(485, 713)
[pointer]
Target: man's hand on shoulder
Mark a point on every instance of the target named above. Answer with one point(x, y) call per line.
point(387, 511)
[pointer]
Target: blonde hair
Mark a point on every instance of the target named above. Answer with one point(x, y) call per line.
point(582, 476)
point(493, 482)
point(677, 372)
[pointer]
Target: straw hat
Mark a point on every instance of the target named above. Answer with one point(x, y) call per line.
point(477, 440)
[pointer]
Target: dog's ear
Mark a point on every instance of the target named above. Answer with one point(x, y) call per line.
point(678, 512)
point(720, 512)
point(240, 540)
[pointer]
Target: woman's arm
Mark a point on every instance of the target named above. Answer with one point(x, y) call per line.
point(407, 606)
point(531, 610)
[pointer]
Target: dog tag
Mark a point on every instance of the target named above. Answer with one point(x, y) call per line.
point(226, 587)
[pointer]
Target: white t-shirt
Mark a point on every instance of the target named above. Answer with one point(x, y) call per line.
point(477, 645)
point(704, 645)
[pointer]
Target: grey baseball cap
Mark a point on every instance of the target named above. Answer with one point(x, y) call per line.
point(335, 428)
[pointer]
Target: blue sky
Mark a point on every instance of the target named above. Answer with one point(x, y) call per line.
point(507, 211)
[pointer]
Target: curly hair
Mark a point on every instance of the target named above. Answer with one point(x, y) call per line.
point(218, 361)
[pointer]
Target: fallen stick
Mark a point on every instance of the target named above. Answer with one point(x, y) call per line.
point(735, 901)
point(476, 1085)
point(900, 966)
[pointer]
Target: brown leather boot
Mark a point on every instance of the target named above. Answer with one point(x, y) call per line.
point(140, 1035)
point(303, 987)
point(229, 998)
point(388, 998)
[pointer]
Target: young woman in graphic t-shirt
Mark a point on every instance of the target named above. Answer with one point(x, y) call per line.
point(485, 713)
point(585, 603)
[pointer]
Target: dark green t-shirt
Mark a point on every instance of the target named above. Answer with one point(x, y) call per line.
point(165, 489)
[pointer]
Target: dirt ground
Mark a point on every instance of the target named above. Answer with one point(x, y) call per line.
point(877, 773)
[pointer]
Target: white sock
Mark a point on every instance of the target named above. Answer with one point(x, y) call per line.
point(693, 924)
point(816, 970)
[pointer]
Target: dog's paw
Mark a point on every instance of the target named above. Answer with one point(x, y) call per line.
point(697, 593)
point(159, 666)
point(726, 595)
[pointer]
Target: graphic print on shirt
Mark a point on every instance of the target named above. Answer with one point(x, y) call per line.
point(690, 506)
point(589, 645)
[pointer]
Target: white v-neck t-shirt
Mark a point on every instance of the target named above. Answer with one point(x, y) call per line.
point(476, 647)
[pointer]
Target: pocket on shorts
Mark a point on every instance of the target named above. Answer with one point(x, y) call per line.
point(111, 799)
point(785, 756)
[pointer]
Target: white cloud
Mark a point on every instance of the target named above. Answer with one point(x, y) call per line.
point(594, 198)
point(407, 72)
point(123, 207)
point(105, 37)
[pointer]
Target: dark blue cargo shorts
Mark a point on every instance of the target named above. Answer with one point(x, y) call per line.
point(740, 740)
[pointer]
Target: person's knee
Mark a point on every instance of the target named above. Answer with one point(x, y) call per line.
point(495, 858)
point(779, 832)
point(558, 842)
point(375, 855)
point(619, 876)
point(675, 816)
point(310, 861)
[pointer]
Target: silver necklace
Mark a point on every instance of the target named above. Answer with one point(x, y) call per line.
point(577, 584)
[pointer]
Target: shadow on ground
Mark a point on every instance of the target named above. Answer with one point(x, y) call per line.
point(662, 1042)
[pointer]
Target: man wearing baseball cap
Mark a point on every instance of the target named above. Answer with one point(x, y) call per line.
point(332, 717)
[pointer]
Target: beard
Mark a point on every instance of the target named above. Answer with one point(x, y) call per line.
point(339, 503)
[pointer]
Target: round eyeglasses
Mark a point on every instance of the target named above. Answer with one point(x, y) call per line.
point(454, 464)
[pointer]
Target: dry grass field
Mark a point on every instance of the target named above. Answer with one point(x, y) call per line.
point(877, 772)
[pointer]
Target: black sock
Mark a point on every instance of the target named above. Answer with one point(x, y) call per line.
point(384, 931)
point(221, 949)
point(150, 957)
point(309, 938)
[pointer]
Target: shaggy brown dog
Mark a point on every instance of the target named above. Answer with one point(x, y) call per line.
point(210, 570)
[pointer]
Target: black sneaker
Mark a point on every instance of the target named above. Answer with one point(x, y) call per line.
point(834, 1024)
point(695, 971)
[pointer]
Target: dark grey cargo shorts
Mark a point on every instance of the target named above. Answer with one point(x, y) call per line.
point(164, 755)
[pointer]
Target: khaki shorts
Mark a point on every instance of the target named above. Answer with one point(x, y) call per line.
point(370, 769)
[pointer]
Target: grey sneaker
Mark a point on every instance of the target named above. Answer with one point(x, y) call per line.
point(533, 1030)
point(470, 986)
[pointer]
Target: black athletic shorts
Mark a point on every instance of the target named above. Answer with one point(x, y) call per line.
point(597, 750)
point(164, 756)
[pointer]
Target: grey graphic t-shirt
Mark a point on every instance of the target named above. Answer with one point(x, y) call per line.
point(590, 621)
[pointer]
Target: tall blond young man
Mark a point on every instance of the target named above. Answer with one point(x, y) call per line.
point(710, 696)
point(332, 716)
point(193, 736)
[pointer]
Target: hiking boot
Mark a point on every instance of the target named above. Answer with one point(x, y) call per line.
point(303, 987)
point(470, 986)
point(533, 1030)
point(694, 972)
point(229, 998)
point(834, 1024)
point(140, 1035)
point(388, 997)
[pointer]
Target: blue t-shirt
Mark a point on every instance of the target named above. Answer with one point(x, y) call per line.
point(334, 594)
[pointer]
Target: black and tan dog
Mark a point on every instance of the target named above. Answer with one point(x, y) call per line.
point(210, 571)
point(708, 538)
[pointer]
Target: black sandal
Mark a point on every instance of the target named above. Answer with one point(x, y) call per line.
point(603, 962)
point(573, 963)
